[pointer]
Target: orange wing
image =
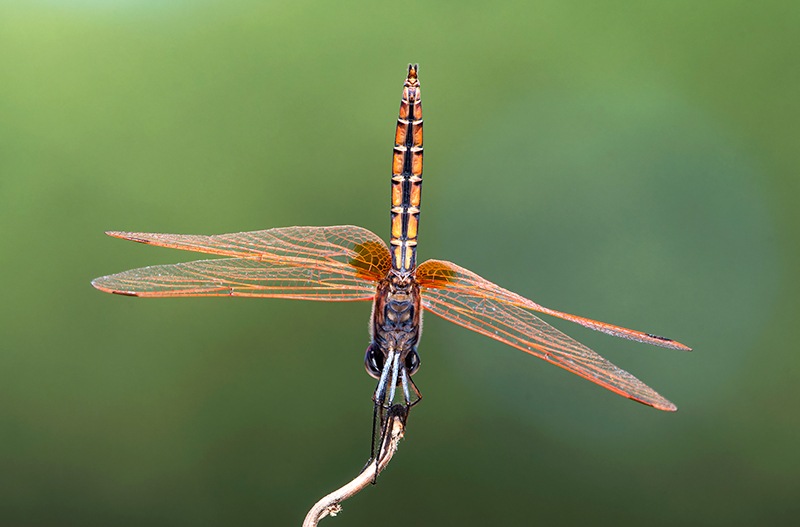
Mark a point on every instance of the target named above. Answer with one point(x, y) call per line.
point(309, 263)
point(460, 296)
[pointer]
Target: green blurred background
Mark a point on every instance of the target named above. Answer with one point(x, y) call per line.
point(635, 162)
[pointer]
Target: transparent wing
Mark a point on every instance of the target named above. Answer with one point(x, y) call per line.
point(462, 297)
point(438, 273)
point(310, 263)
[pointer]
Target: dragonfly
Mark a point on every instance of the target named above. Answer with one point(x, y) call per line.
point(347, 263)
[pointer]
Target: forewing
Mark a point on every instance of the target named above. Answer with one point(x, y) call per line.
point(439, 273)
point(310, 263)
point(490, 315)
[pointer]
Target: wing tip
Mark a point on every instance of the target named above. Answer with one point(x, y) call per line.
point(97, 283)
point(665, 342)
point(666, 406)
point(655, 400)
point(673, 345)
point(132, 236)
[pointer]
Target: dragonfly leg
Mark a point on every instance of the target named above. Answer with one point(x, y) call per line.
point(410, 401)
point(385, 410)
point(379, 411)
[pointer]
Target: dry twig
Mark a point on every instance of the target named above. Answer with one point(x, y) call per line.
point(331, 504)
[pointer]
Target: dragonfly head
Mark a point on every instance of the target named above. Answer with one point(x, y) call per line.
point(394, 380)
point(375, 360)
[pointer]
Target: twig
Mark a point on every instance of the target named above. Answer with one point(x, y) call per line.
point(331, 504)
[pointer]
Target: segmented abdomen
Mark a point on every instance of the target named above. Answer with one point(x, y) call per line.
point(407, 176)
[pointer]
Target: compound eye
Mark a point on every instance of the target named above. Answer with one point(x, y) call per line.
point(373, 361)
point(412, 362)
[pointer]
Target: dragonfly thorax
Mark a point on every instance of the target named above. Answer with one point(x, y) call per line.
point(396, 325)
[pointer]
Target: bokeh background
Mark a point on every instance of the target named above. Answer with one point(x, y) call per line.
point(635, 162)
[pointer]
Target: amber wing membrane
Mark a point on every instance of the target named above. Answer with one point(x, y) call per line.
point(460, 296)
point(338, 263)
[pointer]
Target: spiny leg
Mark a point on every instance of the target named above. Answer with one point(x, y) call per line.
point(379, 413)
point(407, 382)
point(385, 410)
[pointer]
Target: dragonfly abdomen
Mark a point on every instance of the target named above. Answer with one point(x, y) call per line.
point(407, 176)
